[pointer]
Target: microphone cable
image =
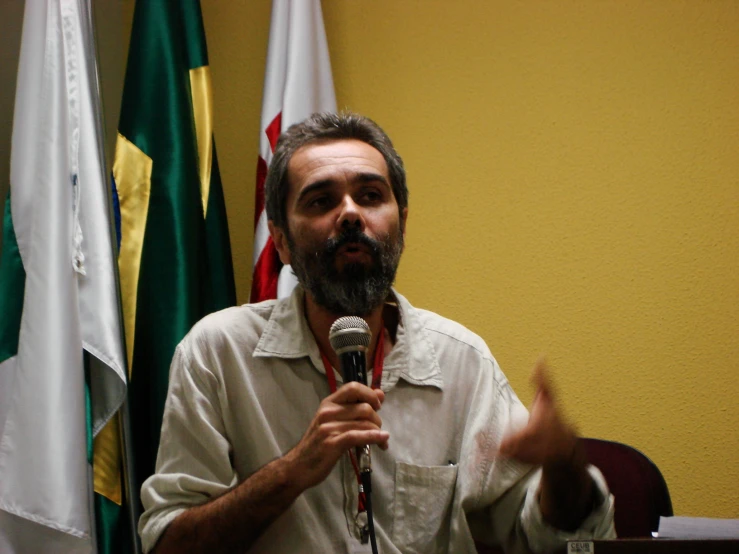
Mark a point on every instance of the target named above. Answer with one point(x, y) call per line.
point(366, 477)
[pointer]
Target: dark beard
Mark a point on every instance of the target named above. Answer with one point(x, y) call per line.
point(358, 288)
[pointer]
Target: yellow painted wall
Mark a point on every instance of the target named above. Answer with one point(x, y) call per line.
point(574, 182)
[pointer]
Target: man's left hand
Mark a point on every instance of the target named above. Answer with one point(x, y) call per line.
point(547, 438)
point(566, 490)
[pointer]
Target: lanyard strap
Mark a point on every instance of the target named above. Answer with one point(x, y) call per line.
point(377, 363)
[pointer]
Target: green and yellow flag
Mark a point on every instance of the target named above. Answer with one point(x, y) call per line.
point(175, 256)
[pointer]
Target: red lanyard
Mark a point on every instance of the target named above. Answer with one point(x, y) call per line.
point(376, 380)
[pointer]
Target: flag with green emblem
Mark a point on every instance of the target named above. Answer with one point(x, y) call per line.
point(62, 369)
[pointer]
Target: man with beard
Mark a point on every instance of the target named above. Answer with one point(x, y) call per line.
point(258, 426)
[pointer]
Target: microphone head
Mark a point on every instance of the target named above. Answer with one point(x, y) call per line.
point(349, 334)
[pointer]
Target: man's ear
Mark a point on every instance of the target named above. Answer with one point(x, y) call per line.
point(403, 220)
point(280, 239)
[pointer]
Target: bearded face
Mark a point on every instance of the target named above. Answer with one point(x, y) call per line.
point(351, 288)
point(344, 232)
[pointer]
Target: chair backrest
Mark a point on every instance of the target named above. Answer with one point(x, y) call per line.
point(636, 483)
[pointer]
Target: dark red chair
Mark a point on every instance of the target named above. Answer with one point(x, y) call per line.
point(640, 492)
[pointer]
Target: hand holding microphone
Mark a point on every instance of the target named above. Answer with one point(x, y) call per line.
point(345, 419)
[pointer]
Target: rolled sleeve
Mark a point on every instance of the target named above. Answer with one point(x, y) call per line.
point(193, 463)
point(542, 537)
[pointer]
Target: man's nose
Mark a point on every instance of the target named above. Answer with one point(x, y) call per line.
point(351, 215)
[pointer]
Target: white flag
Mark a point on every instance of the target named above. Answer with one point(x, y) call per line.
point(297, 83)
point(59, 258)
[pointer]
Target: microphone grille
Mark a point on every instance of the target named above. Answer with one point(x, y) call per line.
point(349, 333)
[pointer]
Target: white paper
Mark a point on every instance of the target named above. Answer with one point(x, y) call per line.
point(698, 528)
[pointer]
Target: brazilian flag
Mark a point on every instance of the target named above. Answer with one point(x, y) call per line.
point(175, 256)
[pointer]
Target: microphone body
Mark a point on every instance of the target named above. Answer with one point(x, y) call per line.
point(354, 366)
point(350, 337)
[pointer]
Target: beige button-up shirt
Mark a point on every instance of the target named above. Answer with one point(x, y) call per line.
point(246, 382)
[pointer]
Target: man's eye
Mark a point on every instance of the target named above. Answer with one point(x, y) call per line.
point(318, 202)
point(373, 196)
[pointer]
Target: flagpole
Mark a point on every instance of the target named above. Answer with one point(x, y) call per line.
point(129, 478)
point(132, 496)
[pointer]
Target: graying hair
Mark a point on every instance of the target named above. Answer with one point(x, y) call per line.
point(324, 127)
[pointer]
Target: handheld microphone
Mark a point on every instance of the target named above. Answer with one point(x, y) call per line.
point(350, 338)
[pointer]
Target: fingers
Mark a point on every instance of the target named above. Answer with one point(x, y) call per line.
point(353, 393)
point(380, 395)
point(344, 435)
point(331, 411)
point(507, 447)
point(516, 445)
point(547, 436)
point(349, 417)
point(539, 445)
point(541, 378)
point(345, 419)
point(352, 401)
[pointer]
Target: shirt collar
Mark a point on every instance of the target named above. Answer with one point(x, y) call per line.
point(413, 357)
point(287, 334)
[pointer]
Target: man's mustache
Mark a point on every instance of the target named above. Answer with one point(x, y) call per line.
point(351, 236)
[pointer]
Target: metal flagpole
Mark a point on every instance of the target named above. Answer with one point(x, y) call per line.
point(132, 501)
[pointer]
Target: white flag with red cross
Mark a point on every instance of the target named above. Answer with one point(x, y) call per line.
point(297, 83)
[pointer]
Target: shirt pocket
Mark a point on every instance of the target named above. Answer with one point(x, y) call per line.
point(423, 502)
